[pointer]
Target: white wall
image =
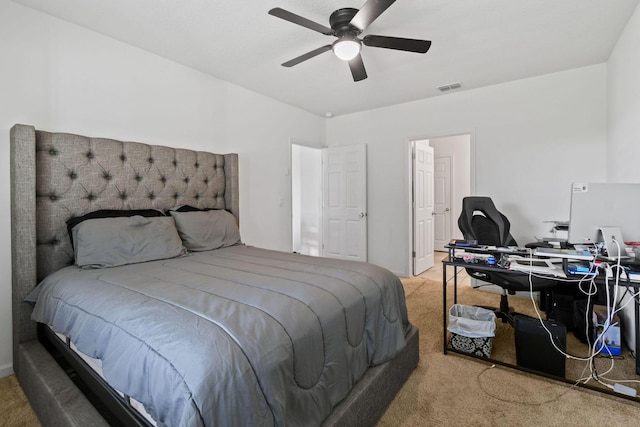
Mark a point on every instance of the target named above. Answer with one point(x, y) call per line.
point(61, 77)
point(623, 161)
point(531, 139)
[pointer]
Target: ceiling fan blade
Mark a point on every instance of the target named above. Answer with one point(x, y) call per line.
point(398, 43)
point(369, 12)
point(306, 56)
point(357, 69)
point(297, 19)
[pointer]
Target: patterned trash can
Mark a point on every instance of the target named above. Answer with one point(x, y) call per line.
point(471, 329)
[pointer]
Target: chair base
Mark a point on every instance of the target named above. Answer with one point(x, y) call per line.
point(504, 312)
point(506, 316)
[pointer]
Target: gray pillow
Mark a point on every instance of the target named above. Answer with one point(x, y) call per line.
point(109, 242)
point(206, 230)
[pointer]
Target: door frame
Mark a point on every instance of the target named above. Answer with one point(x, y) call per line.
point(409, 182)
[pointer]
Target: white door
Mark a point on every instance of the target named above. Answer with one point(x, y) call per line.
point(423, 207)
point(345, 202)
point(442, 205)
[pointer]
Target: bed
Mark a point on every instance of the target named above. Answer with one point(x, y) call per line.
point(333, 348)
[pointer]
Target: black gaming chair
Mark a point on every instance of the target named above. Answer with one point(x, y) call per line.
point(481, 221)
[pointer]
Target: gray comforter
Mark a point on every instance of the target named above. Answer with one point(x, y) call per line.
point(237, 336)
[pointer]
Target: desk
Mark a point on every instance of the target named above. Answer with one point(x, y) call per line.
point(455, 263)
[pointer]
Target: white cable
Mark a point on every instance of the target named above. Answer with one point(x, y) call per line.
point(593, 347)
point(600, 378)
point(535, 307)
point(594, 351)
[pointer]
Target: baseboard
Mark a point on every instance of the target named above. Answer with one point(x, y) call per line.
point(6, 370)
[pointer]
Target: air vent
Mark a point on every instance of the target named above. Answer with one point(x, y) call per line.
point(450, 86)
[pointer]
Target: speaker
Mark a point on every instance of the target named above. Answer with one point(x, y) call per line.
point(534, 349)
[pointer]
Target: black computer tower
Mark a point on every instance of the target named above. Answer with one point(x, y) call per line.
point(534, 349)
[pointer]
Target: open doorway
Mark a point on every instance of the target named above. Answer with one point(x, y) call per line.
point(452, 180)
point(329, 201)
point(306, 199)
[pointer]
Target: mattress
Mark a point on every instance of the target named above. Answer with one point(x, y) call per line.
point(96, 366)
point(235, 336)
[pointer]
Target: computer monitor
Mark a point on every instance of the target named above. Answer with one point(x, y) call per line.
point(595, 205)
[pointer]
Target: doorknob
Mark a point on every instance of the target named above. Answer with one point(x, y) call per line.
point(362, 214)
point(447, 210)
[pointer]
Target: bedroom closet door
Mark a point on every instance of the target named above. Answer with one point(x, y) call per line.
point(442, 206)
point(423, 207)
point(344, 172)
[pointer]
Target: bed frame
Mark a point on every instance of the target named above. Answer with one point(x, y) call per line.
point(55, 176)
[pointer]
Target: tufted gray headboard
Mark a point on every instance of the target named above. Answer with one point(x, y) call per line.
point(55, 176)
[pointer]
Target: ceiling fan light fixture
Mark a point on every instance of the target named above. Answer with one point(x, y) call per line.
point(347, 24)
point(346, 48)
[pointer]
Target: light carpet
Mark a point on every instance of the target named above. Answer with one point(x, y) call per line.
point(14, 407)
point(457, 390)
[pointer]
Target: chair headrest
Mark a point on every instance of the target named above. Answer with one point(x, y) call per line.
point(485, 205)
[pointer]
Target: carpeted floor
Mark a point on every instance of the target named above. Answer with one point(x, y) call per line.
point(450, 390)
point(14, 407)
point(456, 390)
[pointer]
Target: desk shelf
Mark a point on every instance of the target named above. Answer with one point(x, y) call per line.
point(455, 264)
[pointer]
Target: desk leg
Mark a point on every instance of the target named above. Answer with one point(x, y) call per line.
point(445, 312)
point(455, 284)
point(444, 309)
point(637, 322)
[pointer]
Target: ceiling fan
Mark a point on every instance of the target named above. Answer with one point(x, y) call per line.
point(347, 24)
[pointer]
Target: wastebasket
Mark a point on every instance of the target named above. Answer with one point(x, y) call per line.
point(471, 329)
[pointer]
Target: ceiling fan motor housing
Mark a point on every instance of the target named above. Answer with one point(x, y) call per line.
point(340, 21)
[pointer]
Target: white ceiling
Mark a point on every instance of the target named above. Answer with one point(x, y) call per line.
point(476, 42)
